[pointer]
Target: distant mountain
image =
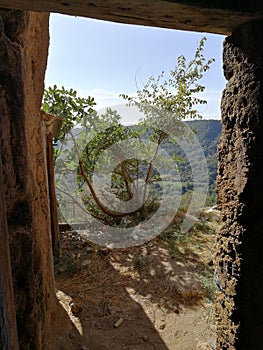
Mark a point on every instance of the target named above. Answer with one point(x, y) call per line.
point(208, 133)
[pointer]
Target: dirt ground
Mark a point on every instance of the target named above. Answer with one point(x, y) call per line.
point(155, 296)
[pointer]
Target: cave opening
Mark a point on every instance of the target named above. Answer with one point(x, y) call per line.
point(99, 67)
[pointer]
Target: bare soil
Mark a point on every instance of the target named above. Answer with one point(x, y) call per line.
point(155, 296)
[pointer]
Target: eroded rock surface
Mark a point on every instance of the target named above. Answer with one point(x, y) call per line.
point(239, 306)
point(24, 40)
point(214, 16)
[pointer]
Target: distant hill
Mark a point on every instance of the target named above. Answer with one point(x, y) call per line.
point(208, 133)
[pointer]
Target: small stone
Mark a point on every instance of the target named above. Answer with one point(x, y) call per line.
point(119, 322)
point(75, 308)
point(145, 338)
point(162, 326)
point(86, 262)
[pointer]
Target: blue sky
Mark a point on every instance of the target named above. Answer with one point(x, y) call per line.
point(101, 59)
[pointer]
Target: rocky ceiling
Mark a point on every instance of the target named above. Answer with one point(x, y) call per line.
point(215, 16)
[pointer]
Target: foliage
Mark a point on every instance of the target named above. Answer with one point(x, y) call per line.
point(65, 103)
point(175, 97)
point(162, 101)
point(80, 118)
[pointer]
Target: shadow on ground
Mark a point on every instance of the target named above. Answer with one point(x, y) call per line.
point(143, 288)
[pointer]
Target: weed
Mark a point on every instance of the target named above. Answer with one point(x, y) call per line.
point(139, 262)
point(207, 281)
point(173, 252)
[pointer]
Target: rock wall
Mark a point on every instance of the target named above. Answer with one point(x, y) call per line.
point(24, 40)
point(239, 258)
point(8, 328)
point(214, 16)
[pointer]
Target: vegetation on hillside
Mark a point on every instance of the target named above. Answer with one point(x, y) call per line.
point(208, 133)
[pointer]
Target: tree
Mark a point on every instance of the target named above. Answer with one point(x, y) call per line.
point(162, 101)
point(80, 123)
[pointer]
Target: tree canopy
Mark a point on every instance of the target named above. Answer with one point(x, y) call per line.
point(87, 139)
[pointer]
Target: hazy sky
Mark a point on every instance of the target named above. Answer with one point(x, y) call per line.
point(102, 59)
